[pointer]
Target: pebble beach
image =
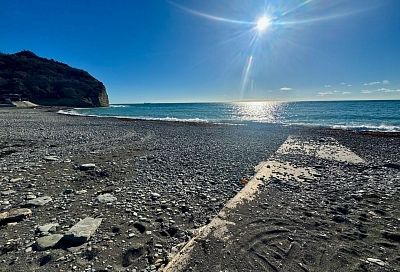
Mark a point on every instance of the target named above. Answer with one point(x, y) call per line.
point(103, 194)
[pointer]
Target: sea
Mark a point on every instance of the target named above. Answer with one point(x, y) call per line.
point(380, 115)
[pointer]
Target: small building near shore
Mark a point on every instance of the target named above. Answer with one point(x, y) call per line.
point(15, 100)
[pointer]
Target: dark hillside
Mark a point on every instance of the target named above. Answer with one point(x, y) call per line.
point(48, 82)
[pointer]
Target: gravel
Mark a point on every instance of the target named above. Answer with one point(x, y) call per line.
point(151, 183)
point(156, 181)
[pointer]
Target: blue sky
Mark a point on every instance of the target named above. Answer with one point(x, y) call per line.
point(185, 51)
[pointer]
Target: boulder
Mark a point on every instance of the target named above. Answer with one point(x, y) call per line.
point(82, 231)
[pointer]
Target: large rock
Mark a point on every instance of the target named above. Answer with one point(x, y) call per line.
point(14, 215)
point(82, 231)
point(48, 241)
point(49, 82)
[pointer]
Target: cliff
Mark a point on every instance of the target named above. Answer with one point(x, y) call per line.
point(48, 82)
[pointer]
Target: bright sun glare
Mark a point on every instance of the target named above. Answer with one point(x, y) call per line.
point(263, 23)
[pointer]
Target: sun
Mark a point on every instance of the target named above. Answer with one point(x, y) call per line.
point(263, 23)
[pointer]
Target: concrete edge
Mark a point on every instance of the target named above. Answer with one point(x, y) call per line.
point(219, 223)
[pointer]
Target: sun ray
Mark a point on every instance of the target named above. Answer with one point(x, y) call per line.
point(210, 16)
point(321, 18)
point(299, 6)
point(246, 75)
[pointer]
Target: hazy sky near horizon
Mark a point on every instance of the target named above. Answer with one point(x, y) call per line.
point(188, 51)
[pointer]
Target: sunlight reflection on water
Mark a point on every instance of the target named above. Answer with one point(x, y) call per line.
point(268, 111)
point(354, 115)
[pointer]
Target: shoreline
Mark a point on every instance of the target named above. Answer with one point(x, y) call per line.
point(203, 121)
point(168, 179)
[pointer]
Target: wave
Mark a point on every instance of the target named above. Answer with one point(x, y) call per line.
point(72, 112)
point(382, 128)
point(358, 127)
point(168, 119)
point(75, 113)
point(119, 106)
point(236, 122)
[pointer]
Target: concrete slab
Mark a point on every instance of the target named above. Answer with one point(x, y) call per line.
point(218, 227)
point(325, 148)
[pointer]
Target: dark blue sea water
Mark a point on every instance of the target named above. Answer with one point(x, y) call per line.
point(355, 115)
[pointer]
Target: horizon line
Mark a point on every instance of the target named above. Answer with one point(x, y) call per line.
point(253, 101)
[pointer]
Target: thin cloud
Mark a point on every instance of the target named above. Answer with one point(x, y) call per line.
point(286, 89)
point(385, 90)
point(335, 92)
point(380, 90)
point(324, 93)
point(366, 91)
point(328, 86)
point(373, 83)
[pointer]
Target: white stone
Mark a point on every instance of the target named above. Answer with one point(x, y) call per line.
point(376, 261)
point(106, 198)
point(87, 166)
point(39, 201)
point(50, 158)
point(48, 227)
